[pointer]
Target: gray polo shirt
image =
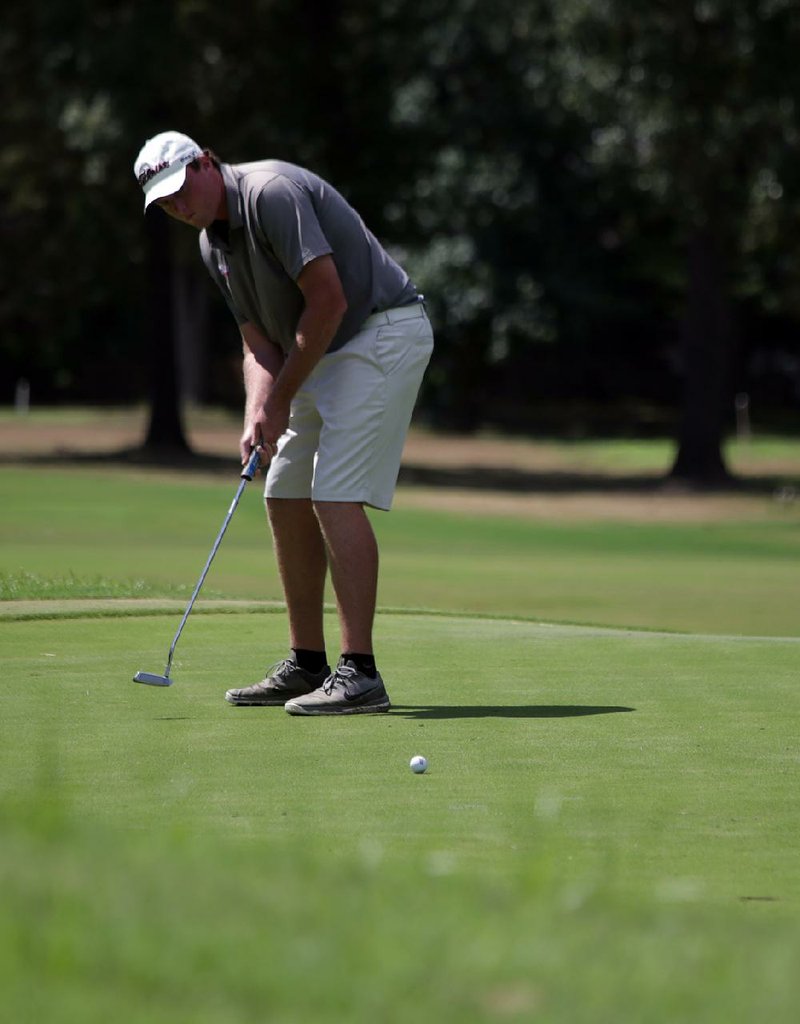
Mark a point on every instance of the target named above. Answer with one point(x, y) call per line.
point(282, 217)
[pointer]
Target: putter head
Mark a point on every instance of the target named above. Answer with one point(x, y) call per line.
point(151, 679)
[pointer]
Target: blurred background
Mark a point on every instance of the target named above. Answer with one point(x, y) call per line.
point(600, 201)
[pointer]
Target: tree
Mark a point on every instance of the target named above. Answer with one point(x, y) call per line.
point(79, 313)
point(694, 97)
point(165, 431)
point(567, 181)
point(496, 213)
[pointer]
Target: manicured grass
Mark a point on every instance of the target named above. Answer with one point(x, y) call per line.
point(607, 830)
point(760, 454)
point(151, 533)
point(707, 578)
point(25, 585)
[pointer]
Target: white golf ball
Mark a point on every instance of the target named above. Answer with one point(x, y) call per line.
point(418, 764)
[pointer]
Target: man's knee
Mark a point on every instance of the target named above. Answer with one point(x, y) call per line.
point(338, 511)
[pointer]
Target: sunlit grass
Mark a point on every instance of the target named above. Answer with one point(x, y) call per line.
point(22, 584)
point(118, 533)
point(606, 832)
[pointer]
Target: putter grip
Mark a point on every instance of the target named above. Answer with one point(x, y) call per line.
point(251, 468)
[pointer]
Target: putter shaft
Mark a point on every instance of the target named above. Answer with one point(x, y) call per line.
point(248, 472)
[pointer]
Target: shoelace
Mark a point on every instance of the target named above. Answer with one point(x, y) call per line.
point(342, 674)
point(281, 666)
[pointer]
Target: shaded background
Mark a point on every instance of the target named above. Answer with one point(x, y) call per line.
point(599, 200)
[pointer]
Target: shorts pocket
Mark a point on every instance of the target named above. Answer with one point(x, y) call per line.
point(396, 343)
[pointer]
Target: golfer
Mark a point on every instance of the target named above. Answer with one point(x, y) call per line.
point(336, 341)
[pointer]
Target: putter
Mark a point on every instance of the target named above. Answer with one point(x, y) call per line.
point(249, 471)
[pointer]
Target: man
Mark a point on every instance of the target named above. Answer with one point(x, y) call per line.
point(336, 341)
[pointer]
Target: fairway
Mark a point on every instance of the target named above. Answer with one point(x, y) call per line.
point(607, 830)
point(130, 533)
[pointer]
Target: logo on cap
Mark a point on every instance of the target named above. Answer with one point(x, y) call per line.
point(147, 172)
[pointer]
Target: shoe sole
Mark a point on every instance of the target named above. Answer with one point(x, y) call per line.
point(359, 709)
point(254, 703)
point(249, 702)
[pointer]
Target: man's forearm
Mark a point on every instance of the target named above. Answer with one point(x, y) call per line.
point(270, 389)
point(263, 360)
point(261, 365)
point(315, 331)
point(324, 307)
point(258, 383)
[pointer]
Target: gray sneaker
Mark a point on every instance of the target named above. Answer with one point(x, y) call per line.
point(345, 692)
point(282, 682)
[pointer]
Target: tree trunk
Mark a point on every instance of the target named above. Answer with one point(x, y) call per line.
point(707, 339)
point(165, 433)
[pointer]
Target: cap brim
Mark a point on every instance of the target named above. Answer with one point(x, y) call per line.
point(166, 185)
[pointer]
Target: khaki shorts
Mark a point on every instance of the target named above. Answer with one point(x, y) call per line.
point(349, 420)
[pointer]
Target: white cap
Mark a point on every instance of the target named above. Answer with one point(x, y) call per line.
point(160, 167)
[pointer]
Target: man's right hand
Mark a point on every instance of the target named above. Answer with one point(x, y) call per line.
point(252, 439)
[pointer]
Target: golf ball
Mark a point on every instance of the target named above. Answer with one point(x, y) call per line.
point(418, 764)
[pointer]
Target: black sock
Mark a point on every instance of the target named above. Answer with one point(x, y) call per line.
point(310, 661)
point(363, 662)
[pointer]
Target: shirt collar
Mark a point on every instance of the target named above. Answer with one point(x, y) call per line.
point(233, 199)
point(231, 180)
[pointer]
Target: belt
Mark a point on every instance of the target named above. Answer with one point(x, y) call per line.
point(394, 316)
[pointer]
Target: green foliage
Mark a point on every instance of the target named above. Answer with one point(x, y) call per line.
point(536, 164)
point(697, 100)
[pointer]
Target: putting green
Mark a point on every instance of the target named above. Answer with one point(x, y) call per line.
point(599, 734)
point(617, 799)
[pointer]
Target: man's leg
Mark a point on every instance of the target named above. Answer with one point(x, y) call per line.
point(364, 394)
point(302, 564)
point(353, 560)
point(355, 686)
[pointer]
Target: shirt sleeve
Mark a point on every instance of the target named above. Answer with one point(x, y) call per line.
point(286, 216)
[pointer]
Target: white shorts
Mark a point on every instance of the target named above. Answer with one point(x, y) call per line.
point(349, 420)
